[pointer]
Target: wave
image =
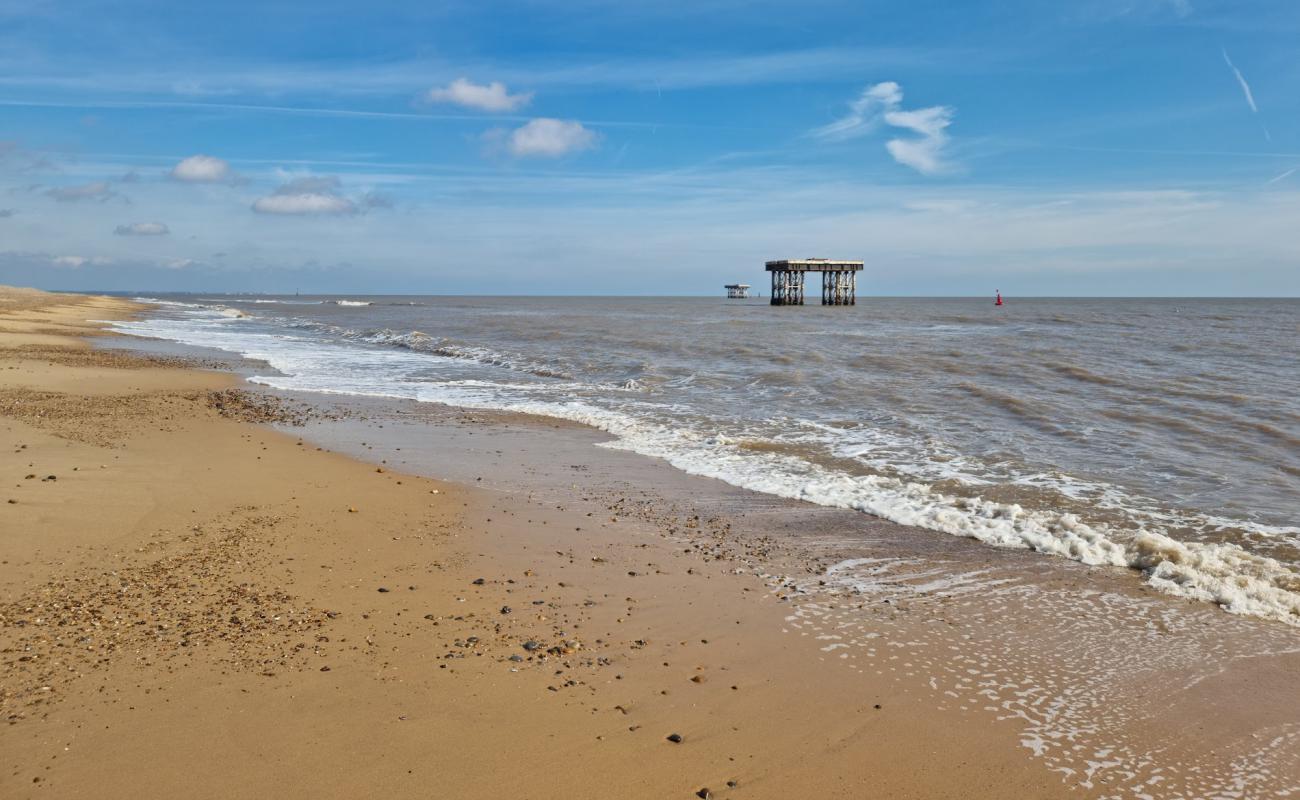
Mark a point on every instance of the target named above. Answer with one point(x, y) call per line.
point(1084, 375)
point(220, 310)
point(350, 302)
point(421, 342)
point(424, 343)
point(1239, 581)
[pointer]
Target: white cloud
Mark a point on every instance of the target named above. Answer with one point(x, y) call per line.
point(69, 261)
point(921, 155)
point(484, 97)
point(307, 195)
point(925, 155)
point(925, 121)
point(550, 138)
point(95, 190)
point(881, 103)
point(142, 229)
point(202, 169)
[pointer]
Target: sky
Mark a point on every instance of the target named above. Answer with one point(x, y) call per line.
point(1070, 147)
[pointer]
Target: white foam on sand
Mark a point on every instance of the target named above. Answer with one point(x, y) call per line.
point(1078, 674)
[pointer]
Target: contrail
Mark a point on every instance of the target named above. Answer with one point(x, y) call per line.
point(1282, 177)
point(1245, 89)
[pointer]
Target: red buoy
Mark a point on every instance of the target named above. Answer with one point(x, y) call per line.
point(998, 302)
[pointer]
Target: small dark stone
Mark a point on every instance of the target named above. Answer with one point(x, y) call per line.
point(429, 616)
point(732, 784)
point(506, 609)
point(516, 658)
point(704, 793)
point(530, 645)
point(675, 738)
point(479, 581)
point(383, 589)
point(876, 706)
point(324, 669)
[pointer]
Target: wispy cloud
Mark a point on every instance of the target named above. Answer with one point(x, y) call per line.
point(27, 260)
point(17, 158)
point(881, 103)
point(1245, 90)
point(864, 112)
point(142, 229)
point(484, 97)
point(317, 195)
point(97, 191)
point(401, 78)
point(306, 196)
point(312, 111)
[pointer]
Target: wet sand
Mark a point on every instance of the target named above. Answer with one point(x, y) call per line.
point(195, 604)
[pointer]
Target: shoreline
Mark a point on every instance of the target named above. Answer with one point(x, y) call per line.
point(707, 599)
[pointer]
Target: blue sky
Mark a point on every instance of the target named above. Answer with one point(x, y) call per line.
point(592, 146)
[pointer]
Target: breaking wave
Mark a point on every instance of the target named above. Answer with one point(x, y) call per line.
point(942, 494)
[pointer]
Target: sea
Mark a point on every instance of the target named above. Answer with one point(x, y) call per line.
point(1157, 435)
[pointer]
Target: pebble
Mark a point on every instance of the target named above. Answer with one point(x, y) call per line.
point(479, 581)
point(704, 793)
point(383, 589)
point(675, 738)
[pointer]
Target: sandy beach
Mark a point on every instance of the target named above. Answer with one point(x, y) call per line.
point(195, 604)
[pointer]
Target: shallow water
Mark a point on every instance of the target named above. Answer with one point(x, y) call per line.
point(1162, 435)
